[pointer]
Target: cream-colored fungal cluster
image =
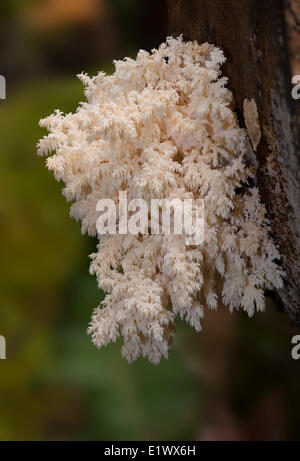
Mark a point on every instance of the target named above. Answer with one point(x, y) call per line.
point(163, 126)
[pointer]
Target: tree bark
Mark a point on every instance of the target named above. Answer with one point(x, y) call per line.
point(253, 36)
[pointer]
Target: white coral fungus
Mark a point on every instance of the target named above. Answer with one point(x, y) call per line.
point(163, 126)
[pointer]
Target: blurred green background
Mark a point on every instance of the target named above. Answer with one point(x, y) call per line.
point(235, 380)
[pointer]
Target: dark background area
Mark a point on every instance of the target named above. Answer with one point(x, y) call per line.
point(234, 380)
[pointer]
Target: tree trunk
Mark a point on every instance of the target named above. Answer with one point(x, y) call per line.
point(253, 36)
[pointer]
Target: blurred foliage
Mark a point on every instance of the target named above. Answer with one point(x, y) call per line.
point(9, 6)
point(235, 380)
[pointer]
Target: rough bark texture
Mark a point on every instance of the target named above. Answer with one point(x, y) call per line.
point(253, 36)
